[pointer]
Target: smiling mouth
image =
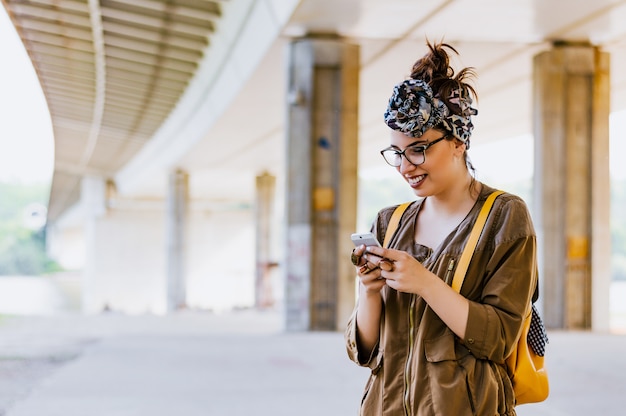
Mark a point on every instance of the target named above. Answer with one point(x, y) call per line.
point(416, 180)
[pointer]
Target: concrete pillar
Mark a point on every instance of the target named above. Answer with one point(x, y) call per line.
point(571, 103)
point(176, 219)
point(123, 267)
point(265, 187)
point(93, 204)
point(321, 182)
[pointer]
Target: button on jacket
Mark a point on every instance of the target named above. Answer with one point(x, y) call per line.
point(420, 367)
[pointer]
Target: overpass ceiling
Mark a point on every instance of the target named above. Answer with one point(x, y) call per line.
point(498, 38)
point(112, 72)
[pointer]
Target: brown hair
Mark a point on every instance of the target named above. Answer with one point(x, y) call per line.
point(434, 68)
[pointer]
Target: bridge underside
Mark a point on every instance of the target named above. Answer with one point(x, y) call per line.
point(144, 92)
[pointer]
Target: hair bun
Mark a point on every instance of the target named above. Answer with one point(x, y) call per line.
point(433, 97)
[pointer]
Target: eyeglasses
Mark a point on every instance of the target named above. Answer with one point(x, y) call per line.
point(414, 154)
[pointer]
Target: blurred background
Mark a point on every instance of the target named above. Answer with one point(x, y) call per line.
point(40, 278)
point(180, 179)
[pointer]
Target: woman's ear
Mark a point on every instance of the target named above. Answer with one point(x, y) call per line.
point(459, 147)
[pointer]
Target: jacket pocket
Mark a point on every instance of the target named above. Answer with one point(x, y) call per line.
point(444, 348)
point(448, 379)
point(372, 400)
point(440, 349)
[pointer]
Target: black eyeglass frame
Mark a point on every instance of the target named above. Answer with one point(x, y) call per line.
point(413, 146)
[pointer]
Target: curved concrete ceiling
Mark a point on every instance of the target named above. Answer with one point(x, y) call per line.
point(129, 99)
point(111, 72)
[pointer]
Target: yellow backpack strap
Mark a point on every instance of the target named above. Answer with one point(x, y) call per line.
point(470, 246)
point(394, 221)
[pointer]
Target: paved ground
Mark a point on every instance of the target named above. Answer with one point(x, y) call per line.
point(240, 363)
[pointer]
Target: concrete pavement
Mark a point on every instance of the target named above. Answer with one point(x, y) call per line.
point(239, 363)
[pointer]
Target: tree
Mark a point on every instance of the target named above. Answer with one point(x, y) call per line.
point(22, 250)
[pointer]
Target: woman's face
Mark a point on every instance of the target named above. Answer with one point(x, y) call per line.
point(443, 162)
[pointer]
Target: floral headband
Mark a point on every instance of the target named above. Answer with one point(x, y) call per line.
point(413, 109)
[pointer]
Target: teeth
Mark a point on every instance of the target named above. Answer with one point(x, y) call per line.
point(414, 180)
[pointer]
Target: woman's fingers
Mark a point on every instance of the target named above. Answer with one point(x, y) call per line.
point(368, 268)
point(383, 253)
point(357, 255)
point(355, 259)
point(386, 265)
point(379, 259)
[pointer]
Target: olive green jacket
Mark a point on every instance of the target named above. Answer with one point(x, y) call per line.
point(420, 367)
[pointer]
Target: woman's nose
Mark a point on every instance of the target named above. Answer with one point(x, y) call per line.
point(405, 165)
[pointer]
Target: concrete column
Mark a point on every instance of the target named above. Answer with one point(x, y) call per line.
point(572, 184)
point(93, 204)
point(123, 265)
point(265, 187)
point(321, 182)
point(176, 219)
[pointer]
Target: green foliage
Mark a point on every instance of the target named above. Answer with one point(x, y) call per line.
point(15, 197)
point(22, 250)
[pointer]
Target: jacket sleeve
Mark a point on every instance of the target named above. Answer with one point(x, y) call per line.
point(504, 280)
point(374, 361)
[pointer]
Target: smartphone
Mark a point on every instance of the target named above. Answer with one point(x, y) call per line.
point(368, 239)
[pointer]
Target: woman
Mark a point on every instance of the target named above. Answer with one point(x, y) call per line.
point(433, 351)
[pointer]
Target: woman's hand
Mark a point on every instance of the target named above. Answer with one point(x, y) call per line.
point(370, 303)
point(398, 269)
point(403, 273)
point(368, 270)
